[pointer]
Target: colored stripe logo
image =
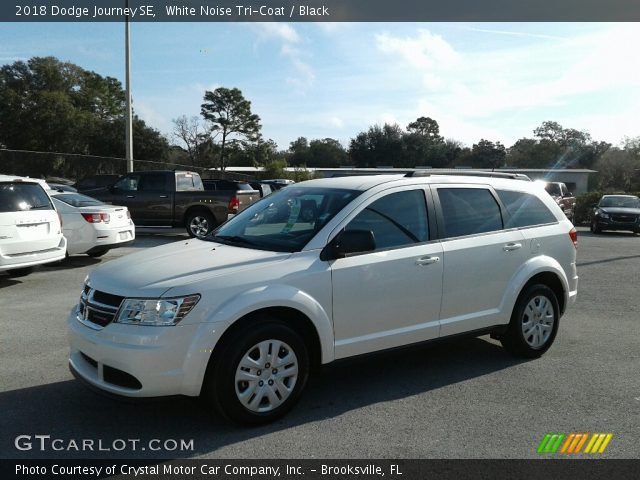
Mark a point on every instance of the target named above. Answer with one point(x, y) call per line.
point(573, 443)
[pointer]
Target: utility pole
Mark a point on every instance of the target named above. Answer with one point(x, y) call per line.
point(129, 115)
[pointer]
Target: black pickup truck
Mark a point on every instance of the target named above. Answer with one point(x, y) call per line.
point(174, 199)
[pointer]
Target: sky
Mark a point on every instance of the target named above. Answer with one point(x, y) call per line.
point(496, 81)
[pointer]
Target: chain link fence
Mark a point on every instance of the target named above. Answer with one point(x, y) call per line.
point(71, 168)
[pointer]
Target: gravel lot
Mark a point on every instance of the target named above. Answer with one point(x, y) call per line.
point(464, 399)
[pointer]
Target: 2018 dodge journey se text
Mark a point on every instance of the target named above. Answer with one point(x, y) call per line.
point(324, 270)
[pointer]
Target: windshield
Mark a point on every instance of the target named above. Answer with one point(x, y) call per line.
point(285, 221)
point(623, 202)
point(553, 189)
point(78, 200)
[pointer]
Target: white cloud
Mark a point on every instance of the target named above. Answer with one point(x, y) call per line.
point(463, 90)
point(302, 75)
point(336, 122)
point(424, 51)
point(277, 30)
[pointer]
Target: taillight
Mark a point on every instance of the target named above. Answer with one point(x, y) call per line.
point(96, 217)
point(60, 217)
point(128, 214)
point(234, 205)
point(573, 234)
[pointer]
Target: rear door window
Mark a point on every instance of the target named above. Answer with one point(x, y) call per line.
point(469, 211)
point(20, 197)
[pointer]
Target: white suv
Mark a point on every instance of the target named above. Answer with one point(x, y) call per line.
point(324, 270)
point(30, 229)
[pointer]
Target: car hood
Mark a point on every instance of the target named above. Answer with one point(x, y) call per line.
point(151, 272)
point(623, 210)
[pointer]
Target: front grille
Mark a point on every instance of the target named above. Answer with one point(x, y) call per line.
point(97, 308)
point(624, 218)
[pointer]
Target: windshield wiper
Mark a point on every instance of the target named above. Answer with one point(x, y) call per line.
point(37, 207)
point(232, 240)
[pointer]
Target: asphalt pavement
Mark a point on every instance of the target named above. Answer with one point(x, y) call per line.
point(460, 399)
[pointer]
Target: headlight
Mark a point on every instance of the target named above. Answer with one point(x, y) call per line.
point(156, 311)
point(603, 214)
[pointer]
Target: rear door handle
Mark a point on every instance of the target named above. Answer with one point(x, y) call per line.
point(164, 196)
point(509, 247)
point(131, 196)
point(427, 260)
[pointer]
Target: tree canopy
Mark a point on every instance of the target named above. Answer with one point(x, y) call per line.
point(52, 106)
point(230, 118)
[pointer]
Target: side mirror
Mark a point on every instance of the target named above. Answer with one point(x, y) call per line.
point(595, 205)
point(349, 242)
point(569, 194)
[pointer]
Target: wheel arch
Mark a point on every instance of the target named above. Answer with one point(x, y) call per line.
point(542, 269)
point(194, 209)
point(551, 280)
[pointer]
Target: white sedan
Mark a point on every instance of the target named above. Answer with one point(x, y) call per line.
point(91, 226)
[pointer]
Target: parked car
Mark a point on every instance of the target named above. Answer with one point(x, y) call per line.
point(61, 187)
point(97, 181)
point(226, 185)
point(262, 187)
point(30, 227)
point(563, 197)
point(616, 212)
point(175, 199)
point(278, 183)
point(323, 270)
point(91, 226)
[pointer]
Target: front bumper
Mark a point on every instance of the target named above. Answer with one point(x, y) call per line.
point(142, 361)
point(609, 224)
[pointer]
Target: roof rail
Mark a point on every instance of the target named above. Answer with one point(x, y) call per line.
point(470, 173)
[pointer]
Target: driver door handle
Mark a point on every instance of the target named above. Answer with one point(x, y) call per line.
point(509, 247)
point(131, 196)
point(427, 260)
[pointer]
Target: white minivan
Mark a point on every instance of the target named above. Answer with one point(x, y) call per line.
point(30, 227)
point(324, 270)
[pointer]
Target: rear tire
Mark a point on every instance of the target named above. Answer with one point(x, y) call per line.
point(534, 322)
point(199, 223)
point(258, 374)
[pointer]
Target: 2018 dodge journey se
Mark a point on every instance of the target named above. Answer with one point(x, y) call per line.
point(323, 270)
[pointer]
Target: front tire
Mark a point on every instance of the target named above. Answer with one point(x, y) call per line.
point(258, 374)
point(199, 223)
point(534, 322)
point(97, 253)
point(594, 227)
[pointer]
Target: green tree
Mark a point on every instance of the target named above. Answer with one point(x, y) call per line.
point(327, 153)
point(556, 147)
point(378, 146)
point(426, 127)
point(298, 152)
point(52, 106)
point(486, 154)
point(230, 118)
